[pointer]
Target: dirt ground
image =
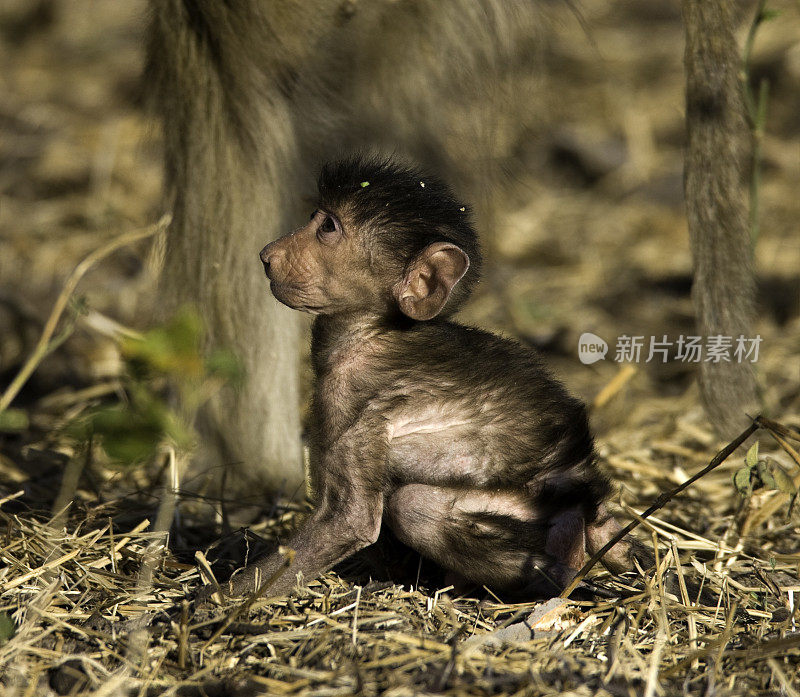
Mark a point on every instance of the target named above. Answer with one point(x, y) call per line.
point(592, 239)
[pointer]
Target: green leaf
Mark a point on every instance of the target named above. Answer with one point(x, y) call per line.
point(129, 436)
point(173, 349)
point(226, 365)
point(7, 627)
point(741, 480)
point(165, 363)
point(132, 433)
point(751, 459)
point(13, 420)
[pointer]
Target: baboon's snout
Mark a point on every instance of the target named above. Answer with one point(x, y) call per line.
point(266, 255)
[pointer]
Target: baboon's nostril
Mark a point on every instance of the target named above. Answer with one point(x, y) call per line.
point(265, 257)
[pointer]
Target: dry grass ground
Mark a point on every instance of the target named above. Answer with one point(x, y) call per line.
point(593, 239)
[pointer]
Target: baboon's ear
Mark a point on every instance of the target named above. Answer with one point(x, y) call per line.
point(430, 279)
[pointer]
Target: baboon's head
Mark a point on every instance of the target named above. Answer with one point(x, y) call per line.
point(385, 238)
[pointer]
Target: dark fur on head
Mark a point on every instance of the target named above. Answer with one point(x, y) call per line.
point(404, 208)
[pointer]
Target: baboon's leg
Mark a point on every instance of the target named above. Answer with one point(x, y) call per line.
point(492, 538)
point(215, 72)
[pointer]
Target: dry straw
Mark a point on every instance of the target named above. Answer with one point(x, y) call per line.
point(89, 621)
point(99, 597)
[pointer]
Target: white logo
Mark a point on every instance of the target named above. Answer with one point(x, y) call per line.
point(687, 349)
point(591, 348)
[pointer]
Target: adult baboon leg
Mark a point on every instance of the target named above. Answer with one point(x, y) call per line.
point(214, 70)
point(717, 146)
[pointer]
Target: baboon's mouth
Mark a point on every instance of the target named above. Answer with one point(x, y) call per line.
point(281, 291)
point(293, 297)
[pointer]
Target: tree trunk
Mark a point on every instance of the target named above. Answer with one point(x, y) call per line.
point(716, 161)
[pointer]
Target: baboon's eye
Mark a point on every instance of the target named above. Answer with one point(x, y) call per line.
point(328, 225)
point(328, 230)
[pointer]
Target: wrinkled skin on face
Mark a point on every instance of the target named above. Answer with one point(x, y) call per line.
point(330, 267)
point(320, 269)
point(457, 439)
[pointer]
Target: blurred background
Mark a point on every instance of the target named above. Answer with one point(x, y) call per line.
point(591, 237)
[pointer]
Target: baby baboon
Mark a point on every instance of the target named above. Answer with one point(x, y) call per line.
point(456, 438)
point(252, 94)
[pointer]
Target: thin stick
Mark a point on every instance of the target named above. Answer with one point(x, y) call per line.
point(626, 372)
point(183, 635)
point(779, 428)
point(785, 682)
point(77, 274)
point(69, 485)
point(719, 458)
point(355, 613)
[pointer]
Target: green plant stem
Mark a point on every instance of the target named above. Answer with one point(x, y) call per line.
point(756, 118)
point(758, 18)
point(755, 178)
point(44, 345)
